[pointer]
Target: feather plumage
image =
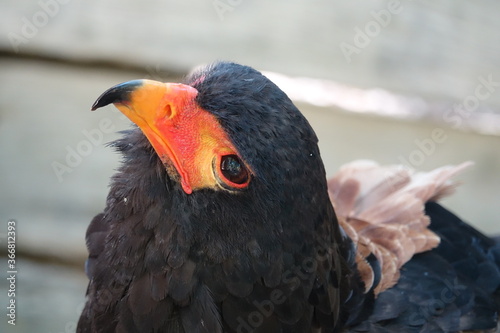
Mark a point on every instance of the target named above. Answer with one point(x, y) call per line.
point(382, 210)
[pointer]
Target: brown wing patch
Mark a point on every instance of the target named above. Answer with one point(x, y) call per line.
point(382, 209)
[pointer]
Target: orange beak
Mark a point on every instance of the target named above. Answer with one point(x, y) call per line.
point(184, 136)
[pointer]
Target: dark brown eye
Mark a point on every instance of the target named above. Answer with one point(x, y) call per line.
point(234, 170)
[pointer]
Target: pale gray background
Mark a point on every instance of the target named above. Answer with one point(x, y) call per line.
point(421, 62)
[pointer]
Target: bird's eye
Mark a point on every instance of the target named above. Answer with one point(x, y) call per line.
point(234, 171)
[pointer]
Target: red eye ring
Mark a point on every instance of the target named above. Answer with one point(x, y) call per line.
point(232, 171)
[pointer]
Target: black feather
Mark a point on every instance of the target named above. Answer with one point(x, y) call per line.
point(269, 258)
point(440, 290)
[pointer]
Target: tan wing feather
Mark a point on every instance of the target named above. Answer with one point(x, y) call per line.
point(382, 209)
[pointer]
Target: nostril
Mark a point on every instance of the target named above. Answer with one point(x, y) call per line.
point(168, 111)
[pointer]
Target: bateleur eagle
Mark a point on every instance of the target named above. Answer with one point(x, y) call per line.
point(221, 219)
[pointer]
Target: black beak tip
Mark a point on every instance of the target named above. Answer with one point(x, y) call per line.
point(117, 94)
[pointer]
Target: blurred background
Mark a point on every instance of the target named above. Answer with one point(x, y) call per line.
point(400, 82)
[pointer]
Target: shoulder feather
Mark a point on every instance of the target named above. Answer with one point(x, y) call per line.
point(381, 208)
